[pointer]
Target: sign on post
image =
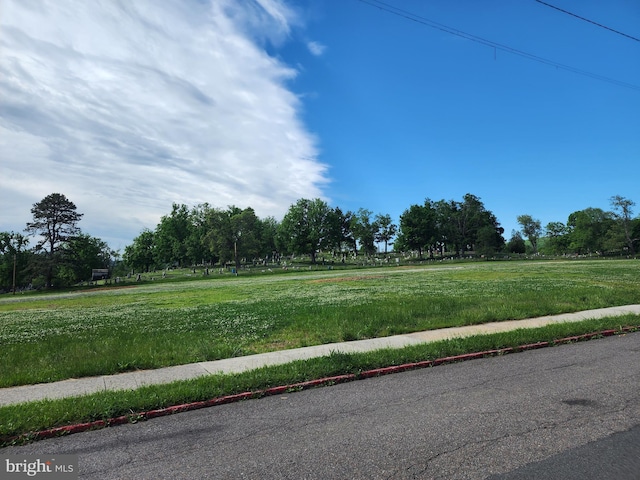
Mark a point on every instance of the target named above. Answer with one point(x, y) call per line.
point(99, 274)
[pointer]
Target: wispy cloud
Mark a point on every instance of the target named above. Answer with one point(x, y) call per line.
point(126, 107)
point(316, 48)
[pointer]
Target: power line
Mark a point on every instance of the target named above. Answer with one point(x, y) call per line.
point(496, 46)
point(590, 21)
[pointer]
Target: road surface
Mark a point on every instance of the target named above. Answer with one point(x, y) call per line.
point(565, 412)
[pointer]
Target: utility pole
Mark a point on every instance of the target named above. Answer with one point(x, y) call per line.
point(235, 255)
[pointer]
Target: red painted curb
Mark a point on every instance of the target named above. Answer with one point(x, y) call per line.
point(161, 412)
point(533, 346)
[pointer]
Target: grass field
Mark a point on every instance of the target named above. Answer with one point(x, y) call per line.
point(47, 337)
point(51, 337)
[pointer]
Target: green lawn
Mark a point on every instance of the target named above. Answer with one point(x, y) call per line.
point(51, 337)
point(46, 337)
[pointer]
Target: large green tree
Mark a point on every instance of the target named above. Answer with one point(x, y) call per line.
point(235, 233)
point(140, 255)
point(469, 225)
point(457, 225)
point(55, 221)
point(268, 238)
point(588, 230)
point(516, 243)
point(182, 237)
point(219, 234)
point(171, 236)
point(344, 240)
point(489, 239)
point(364, 230)
point(418, 229)
point(81, 254)
point(386, 230)
point(246, 231)
point(197, 251)
point(447, 232)
point(623, 216)
point(557, 238)
point(308, 227)
point(532, 229)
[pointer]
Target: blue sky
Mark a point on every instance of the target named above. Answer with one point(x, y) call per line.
point(126, 107)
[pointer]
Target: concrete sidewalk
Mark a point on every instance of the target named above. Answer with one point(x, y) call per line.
point(133, 380)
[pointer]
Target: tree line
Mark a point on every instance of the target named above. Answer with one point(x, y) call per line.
point(586, 232)
point(204, 235)
point(437, 227)
point(213, 236)
point(63, 254)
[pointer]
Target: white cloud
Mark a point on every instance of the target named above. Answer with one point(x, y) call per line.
point(126, 107)
point(316, 48)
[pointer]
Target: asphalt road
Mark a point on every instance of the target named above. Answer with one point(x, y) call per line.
point(565, 412)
